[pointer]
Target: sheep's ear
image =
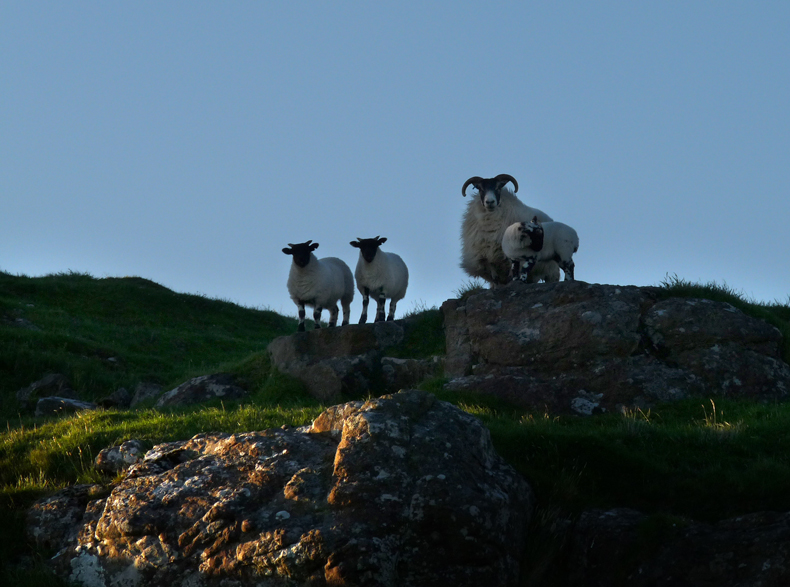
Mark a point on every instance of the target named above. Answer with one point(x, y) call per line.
point(314, 246)
point(535, 220)
point(382, 240)
point(288, 251)
point(354, 244)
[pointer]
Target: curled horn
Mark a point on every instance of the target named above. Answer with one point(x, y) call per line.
point(473, 181)
point(504, 178)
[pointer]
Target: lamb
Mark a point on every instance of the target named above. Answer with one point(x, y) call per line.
point(532, 242)
point(385, 275)
point(483, 227)
point(319, 283)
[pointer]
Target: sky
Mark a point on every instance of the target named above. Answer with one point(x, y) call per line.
point(189, 142)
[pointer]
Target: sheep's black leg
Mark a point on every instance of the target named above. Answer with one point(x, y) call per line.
point(380, 303)
point(391, 315)
point(529, 263)
point(300, 328)
point(365, 302)
point(333, 316)
point(346, 313)
point(515, 270)
point(317, 316)
point(568, 267)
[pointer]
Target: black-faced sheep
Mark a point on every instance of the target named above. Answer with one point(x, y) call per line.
point(384, 275)
point(529, 243)
point(319, 283)
point(484, 224)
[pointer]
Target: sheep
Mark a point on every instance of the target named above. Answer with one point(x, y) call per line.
point(532, 242)
point(483, 227)
point(385, 275)
point(319, 283)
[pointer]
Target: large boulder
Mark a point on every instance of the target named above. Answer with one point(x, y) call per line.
point(579, 347)
point(402, 491)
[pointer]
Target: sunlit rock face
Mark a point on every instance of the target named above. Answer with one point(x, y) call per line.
point(403, 490)
point(585, 348)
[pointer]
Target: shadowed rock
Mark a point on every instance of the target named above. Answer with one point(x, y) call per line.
point(48, 406)
point(200, 389)
point(51, 385)
point(350, 361)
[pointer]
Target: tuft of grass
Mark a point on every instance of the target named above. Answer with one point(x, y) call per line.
point(470, 287)
point(423, 336)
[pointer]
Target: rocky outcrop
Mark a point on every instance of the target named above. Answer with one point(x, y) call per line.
point(578, 347)
point(625, 547)
point(200, 389)
point(350, 360)
point(402, 491)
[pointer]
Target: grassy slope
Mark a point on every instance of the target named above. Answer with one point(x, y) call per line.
point(74, 324)
point(697, 459)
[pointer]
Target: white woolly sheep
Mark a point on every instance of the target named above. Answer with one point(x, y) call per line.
point(384, 275)
point(319, 283)
point(483, 227)
point(529, 243)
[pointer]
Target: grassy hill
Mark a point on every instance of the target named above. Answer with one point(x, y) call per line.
point(696, 458)
point(117, 332)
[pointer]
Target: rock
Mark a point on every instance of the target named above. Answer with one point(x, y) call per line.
point(585, 348)
point(120, 398)
point(54, 522)
point(144, 392)
point(405, 373)
point(48, 406)
point(403, 490)
point(119, 458)
point(625, 547)
point(53, 384)
point(333, 362)
point(201, 389)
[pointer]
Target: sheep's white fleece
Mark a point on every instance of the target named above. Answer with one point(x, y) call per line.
point(481, 237)
point(386, 274)
point(560, 241)
point(321, 283)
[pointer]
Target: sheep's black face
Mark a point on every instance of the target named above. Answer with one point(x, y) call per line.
point(368, 247)
point(301, 252)
point(490, 191)
point(532, 233)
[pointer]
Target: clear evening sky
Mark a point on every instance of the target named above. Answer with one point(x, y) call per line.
point(189, 142)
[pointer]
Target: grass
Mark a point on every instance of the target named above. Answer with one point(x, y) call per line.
point(75, 324)
point(702, 459)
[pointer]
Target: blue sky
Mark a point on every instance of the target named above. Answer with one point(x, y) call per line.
point(188, 142)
